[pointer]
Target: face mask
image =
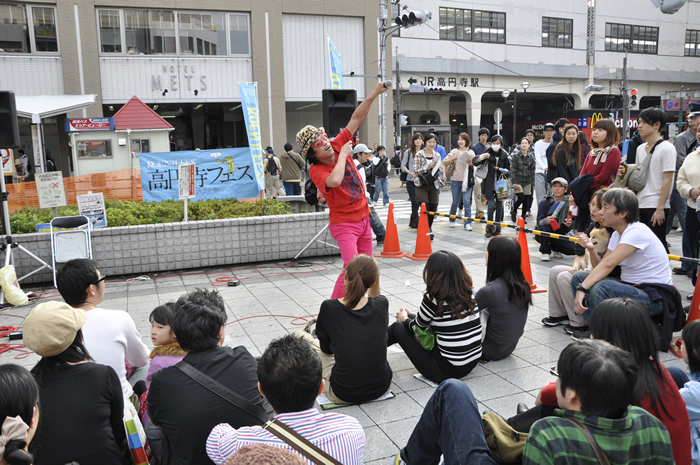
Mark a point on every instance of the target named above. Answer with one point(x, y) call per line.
point(496, 147)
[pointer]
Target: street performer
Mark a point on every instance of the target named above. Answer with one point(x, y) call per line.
point(337, 180)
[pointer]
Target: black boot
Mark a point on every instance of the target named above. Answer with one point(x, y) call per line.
point(413, 222)
point(489, 231)
point(496, 230)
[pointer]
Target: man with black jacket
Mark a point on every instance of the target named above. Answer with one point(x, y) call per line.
point(547, 221)
point(381, 173)
point(185, 410)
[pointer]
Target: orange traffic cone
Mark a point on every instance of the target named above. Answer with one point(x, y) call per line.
point(423, 246)
point(694, 313)
point(391, 239)
point(525, 258)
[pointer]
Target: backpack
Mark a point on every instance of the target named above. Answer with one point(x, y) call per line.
point(272, 166)
point(396, 160)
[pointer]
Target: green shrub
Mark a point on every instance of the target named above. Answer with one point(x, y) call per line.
point(129, 213)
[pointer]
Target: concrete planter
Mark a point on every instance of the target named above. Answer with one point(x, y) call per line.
point(178, 246)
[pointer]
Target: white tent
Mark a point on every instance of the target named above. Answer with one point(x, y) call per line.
point(38, 107)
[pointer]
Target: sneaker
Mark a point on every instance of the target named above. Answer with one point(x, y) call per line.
point(579, 333)
point(380, 241)
point(453, 224)
point(309, 325)
point(459, 212)
point(545, 257)
point(680, 270)
point(555, 320)
point(397, 460)
point(432, 236)
point(468, 227)
point(569, 329)
point(557, 254)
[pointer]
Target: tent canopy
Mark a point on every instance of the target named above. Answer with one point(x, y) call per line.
point(38, 107)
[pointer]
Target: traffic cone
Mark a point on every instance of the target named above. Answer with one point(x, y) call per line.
point(525, 258)
point(391, 239)
point(694, 313)
point(423, 246)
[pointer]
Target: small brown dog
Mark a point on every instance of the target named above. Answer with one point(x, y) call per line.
point(600, 238)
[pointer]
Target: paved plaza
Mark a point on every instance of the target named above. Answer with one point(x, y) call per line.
point(264, 307)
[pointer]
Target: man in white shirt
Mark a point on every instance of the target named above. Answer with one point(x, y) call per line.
point(110, 336)
point(654, 198)
point(541, 162)
point(362, 154)
point(639, 253)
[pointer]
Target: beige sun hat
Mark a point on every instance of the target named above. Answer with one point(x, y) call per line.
point(50, 328)
point(307, 136)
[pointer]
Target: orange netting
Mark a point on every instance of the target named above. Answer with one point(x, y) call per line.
point(122, 184)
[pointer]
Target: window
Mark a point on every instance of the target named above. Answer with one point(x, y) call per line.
point(165, 32)
point(557, 32)
point(109, 25)
point(472, 25)
point(692, 43)
point(639, 39)
point(26, 29)
point(94, 148)
point(139, 146)
point(149, 32)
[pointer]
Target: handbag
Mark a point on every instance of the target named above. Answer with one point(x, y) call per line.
point(504, 188)
point(600, 455)
point(426, 337)
point(638, 178)
point(299, 443)
point(481, 171)
point(403, 176)
point(427, 179)
point(505, 444)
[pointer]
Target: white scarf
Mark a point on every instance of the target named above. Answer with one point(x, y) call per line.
point(600, 155)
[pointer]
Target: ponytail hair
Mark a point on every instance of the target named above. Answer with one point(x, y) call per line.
point(362, 273)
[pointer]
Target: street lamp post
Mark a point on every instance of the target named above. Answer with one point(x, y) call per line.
point(505, 95)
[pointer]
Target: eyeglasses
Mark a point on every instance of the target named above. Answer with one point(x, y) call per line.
point(553, 371)
point(321, 141)
point(99, 280)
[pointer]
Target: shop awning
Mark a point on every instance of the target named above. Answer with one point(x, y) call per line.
point(37, 107)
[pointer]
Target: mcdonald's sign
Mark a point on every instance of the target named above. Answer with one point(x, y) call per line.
point(595, 118)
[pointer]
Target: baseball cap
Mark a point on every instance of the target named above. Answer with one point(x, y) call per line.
point(693, 109)
point(561, 181)
point(549, 125)
point(50, 328)
point(361, 148)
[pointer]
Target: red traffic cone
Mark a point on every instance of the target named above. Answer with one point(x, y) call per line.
point(423, 246)
point(525, 258)
point(391, 239)
point(694, 313)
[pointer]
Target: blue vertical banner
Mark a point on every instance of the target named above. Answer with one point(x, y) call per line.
point(336, 68)
point(251, 114)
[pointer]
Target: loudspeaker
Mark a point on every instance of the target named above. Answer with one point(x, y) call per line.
point(338, 107)
point(9, 130)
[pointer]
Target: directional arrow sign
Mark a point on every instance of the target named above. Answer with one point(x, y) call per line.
point(412, 81)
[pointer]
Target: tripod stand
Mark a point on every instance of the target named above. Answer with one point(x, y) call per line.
point(9, 245)
point(315, 238)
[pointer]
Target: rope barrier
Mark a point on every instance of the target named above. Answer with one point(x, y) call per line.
point(562, 237)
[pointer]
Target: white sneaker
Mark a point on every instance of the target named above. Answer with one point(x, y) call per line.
point(545, 257)
point(557, 254)
point(468, 227)
point(453, 224)
point(459, 212)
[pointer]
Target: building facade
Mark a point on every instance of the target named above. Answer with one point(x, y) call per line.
point(544, 53)
point(186, 62)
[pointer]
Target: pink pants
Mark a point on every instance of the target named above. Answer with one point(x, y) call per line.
point(352, 238)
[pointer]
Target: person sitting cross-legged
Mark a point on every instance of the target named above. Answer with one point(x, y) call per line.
point(290, 378)
point(552, 217)
point(452, 427)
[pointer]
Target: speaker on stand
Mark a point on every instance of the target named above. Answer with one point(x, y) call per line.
point(338, 107)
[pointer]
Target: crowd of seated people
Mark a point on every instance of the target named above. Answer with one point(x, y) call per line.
point(202, 401)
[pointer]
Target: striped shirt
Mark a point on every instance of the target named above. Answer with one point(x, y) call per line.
point(459, 341)
point(338, 435)
point(637, 437)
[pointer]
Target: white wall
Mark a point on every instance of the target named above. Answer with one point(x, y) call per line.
point(31, 74)
point(306, 60)
point(159, 142)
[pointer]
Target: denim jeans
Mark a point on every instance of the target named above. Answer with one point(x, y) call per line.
point(607, 288)
point(292, 188)
point(540, 186)
point(456, 187)
point(495, 206)
point(411, 188)
point(381, 184)
point(449, 426)
point(467, 200)
point(377, 225)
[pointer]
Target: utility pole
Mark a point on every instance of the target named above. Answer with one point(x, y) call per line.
point(397, 123)
point(383, 15)
point(680, 110)
point(625, 98)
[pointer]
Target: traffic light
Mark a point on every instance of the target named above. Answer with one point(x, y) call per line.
point(633, 98)
point(432, 89)
point(415, 18)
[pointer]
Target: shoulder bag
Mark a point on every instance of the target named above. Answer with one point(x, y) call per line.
point(505, 443)
point(222, 391)
point(638, 178)
point(481, 171)
point(600, 455)
point(299, 443)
